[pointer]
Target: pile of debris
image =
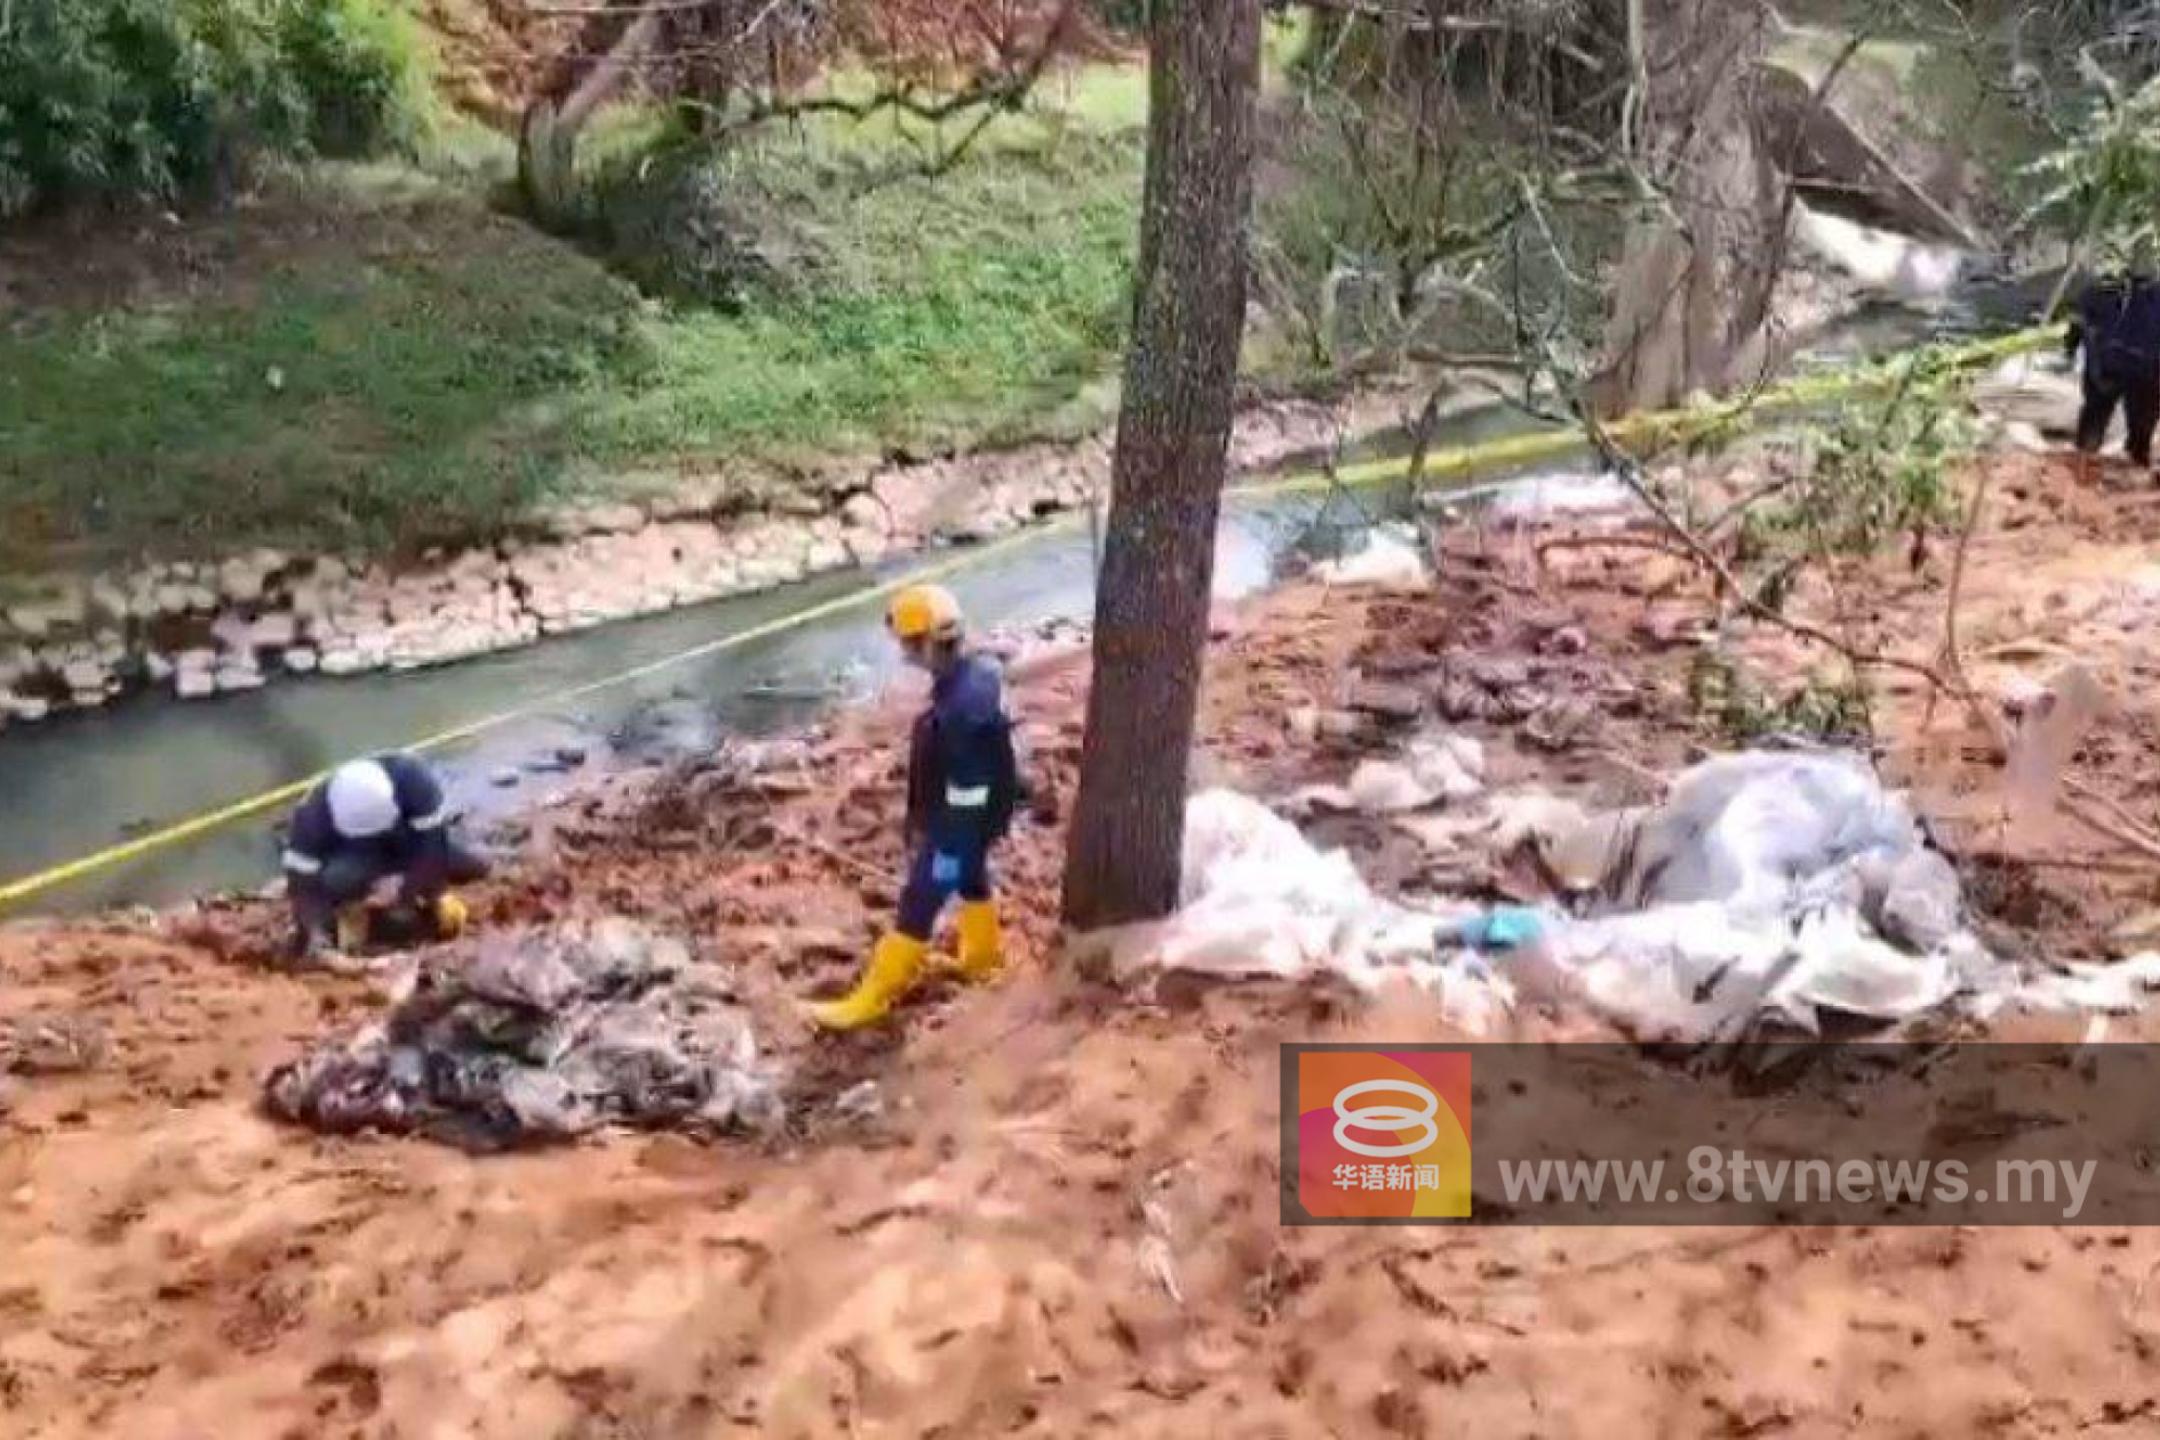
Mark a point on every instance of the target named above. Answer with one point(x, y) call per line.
point(1768, 888)
point(539, 1035)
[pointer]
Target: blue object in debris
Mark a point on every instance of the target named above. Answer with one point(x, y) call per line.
point(1508, 928)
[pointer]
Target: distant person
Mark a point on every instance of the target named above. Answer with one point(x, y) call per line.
point(371, 821)
point(2118, 326)
point(963, 787)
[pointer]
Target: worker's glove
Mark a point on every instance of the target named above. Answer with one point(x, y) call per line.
point(944, 868)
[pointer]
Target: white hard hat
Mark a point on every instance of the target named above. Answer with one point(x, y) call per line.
point(363, 802)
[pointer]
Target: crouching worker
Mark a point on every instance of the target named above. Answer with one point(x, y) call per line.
point(371, 821)
point(2118, 326)
point(963, 786)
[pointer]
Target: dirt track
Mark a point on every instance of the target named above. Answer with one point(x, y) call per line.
point(1064, 1217)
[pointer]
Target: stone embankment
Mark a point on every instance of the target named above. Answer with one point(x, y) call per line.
point(205, 628)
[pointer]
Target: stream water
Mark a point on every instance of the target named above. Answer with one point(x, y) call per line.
point(81, 783)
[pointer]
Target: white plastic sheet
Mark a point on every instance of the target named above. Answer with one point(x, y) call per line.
point(1773, 885)
point(1388, 562)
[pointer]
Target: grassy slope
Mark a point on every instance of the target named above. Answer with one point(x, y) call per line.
point(372, 357)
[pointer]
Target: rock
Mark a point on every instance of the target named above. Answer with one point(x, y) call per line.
point(84, 676)
point(579, 520)
point(275, 631)
point(194, 684)
point(863, 512)
point(24, 707)
point(1567, 640)
point(343, 662)
point(1495, 672)
point(235, 676)
point(1392, 702)
point(233, 633)
point(330, 570)
point(240, 582)
point(503, 778)
point(826, 555)
point(29, 621)
point(301, 660)
point(108, 602)
point(88, 699)
point(186, 660)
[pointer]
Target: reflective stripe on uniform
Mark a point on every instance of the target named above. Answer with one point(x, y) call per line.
point(967, 797)
point(301, 864)
point(433, 820)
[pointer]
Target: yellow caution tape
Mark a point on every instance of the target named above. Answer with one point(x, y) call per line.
point(1667, 427)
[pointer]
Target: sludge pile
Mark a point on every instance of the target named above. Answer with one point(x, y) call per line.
point(532, 1036)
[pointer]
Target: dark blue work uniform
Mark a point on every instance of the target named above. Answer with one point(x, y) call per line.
point(963, 786)
point(326, 870)
point(2118, 323)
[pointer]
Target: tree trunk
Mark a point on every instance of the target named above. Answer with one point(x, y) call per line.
point(1151, 599)
point(596, 67)
point(1692, 291)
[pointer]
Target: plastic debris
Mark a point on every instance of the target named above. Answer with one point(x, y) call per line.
point(1388, 562)
point(1767, 886)
point(2118, 989)
point(1440, 768)
point(1511, 927)
point(526, 1037)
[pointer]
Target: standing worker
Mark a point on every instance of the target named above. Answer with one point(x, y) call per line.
point(963, 785)
point(2118, 324)
point(370, 821)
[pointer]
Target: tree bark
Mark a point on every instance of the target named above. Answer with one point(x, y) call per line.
point(548, 135)
point(1151, 598)
point(1692, 291)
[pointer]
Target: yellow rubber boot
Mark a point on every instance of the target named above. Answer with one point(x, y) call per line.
point(982, 942)
point(353, 926)
point(893, 966)
point(451, 915)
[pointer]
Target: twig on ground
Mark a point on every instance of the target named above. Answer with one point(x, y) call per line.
point(2116, 823)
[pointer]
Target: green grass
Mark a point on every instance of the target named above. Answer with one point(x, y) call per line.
point(387, 363)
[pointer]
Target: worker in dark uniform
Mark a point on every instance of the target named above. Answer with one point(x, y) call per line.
point(2118, 326)
point(370, 821)
point(963, 786)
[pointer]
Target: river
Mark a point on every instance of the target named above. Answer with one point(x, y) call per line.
point(81, 783)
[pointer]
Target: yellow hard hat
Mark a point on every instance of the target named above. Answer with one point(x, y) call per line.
point(924, 612)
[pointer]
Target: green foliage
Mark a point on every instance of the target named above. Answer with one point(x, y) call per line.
point(1882, 464)
point(153, 99)
point(2101, 189)
point(1729, 702)
point(441, 368)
